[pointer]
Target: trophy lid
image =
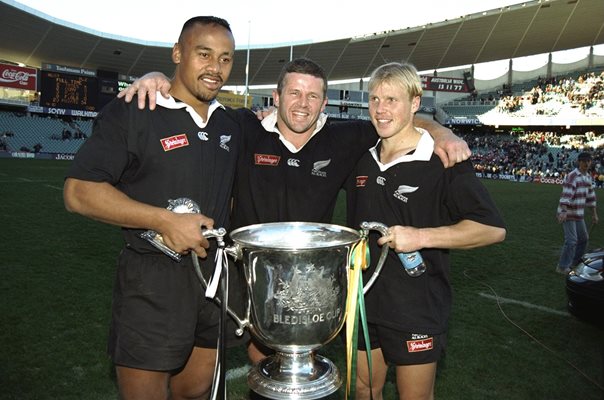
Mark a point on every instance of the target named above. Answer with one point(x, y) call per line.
point(294, 235)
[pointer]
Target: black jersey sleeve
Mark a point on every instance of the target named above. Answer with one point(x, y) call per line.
point(104, 155)
point(468, 198)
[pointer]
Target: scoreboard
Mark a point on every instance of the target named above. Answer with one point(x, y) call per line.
point(76, 92)
point(444, 84)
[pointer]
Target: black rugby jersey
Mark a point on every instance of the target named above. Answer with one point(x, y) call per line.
point(415, 190)
point(274, 184)
point(155, 156)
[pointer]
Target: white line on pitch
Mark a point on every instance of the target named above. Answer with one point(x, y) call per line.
point(237, 372)
point(23, 180)
point(54, 187)
point(525, 304)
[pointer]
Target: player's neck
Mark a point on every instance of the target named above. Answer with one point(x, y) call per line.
point(296, 139)
point(200, 107)
point(398, 145)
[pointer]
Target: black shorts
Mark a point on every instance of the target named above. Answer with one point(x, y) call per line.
point(404, 348)
point(160, 312)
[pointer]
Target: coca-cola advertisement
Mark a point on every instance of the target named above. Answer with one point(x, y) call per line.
point(18, 77)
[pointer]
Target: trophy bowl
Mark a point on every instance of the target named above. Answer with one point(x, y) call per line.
point(297, 279)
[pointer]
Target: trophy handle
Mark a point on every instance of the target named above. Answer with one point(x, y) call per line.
point(383, 229)
point(235, 252)
point(215, 233)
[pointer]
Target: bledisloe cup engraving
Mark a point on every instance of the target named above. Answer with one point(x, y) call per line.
point(308, 298)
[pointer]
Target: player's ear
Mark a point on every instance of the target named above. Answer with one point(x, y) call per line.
point(276, 98)
point(415, 103)
point(176, 53)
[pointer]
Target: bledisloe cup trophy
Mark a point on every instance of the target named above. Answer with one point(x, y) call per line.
point(297, 282)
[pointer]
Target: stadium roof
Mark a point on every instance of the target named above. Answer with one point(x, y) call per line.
point(534, 27)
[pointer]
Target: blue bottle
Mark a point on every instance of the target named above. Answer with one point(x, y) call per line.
point(413, 262)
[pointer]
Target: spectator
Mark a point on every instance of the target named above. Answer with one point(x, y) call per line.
point(577, 195)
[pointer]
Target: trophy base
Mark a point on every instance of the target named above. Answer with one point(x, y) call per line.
point(303, 376)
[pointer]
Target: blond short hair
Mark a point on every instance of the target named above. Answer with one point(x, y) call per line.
point(403, 75)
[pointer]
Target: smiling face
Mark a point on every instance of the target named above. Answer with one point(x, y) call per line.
point(204, 58)
point(391, 109)
point(299, 103)
point(395, 93)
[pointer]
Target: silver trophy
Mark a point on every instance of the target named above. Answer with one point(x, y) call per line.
point(297, 281)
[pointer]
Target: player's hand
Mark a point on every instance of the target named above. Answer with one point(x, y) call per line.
point(402, 239)
point(264, 112)
point(147, 87)
point(451, 149)
point(182, 232)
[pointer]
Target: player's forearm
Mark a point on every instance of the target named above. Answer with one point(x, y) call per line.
point(466, 234)
point(103, 202)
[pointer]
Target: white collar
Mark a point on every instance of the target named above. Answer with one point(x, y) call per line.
point(423, 151)
point(171, 103)
point(270, 125)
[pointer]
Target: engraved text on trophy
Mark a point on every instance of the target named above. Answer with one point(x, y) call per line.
point(309, 297)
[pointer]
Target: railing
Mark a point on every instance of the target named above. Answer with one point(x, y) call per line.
point(15, 102)
point(470, 103)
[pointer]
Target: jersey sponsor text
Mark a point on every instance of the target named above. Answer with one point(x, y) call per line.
point(174, 142)
point(414, 346)
point(266, 159)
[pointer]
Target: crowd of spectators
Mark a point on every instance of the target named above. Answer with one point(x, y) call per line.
point(553, 96)
point(536, 154)
point(526, 156)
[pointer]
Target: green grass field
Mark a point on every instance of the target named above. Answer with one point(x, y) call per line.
point(510, 335)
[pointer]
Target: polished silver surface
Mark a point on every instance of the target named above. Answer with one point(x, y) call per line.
point(297, 282)
point(295, 376)
point(297, 279)
point(294, 235)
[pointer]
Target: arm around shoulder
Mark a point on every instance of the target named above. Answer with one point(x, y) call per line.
point(147, 86)
point(449, 147)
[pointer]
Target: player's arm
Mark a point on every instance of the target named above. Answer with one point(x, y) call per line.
point(449, 147)
point(103, 202)
point(466, 234)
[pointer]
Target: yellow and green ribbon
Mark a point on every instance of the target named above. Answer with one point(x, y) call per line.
point(355, 310)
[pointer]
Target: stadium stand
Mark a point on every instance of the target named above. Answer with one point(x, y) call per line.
point(563, 103)
point(22, 132)
point(570, 97)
